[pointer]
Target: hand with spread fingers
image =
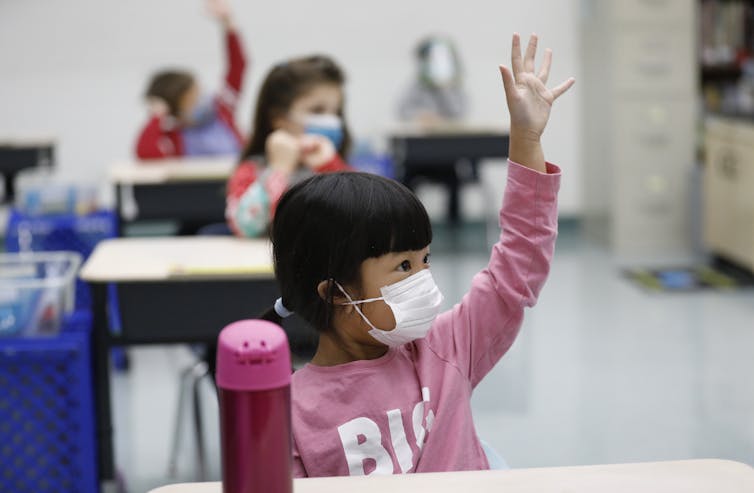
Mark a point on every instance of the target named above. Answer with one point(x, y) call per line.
point(220, 9)
point(529, 102)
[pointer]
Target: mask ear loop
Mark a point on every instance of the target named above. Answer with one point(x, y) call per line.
point(356, 304)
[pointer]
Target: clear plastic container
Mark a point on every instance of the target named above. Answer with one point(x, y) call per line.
point(36, 291)
point(40, 192)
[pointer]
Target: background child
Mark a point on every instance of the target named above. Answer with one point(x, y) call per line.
point(299, 129)
point(436, 95)
point(389, 388)
point(185, 120)
point(436, 98)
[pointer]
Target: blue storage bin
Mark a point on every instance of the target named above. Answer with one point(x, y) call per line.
point(367, 160)
point(63, 232)
point(47, 433)
point(36, 291)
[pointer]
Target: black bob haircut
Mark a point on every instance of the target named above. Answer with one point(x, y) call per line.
point(327, 225)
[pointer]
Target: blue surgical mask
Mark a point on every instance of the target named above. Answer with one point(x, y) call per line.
point(204, 110)
point(326, 125)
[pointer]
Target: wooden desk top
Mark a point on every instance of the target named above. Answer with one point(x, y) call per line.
point(445, 130)
point(172, 170)
point(27, 142)
point(178, 258)
point(693, 476)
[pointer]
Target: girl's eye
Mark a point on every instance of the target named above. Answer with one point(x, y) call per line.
point(405, 266)
point(427, 258)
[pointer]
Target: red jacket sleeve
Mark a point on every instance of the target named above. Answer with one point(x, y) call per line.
point(154, 142)
point(234, 75)
point(241, 179)
point(236, 61)
point(335, 164)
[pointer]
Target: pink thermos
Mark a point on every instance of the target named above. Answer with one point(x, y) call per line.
point(253, 382)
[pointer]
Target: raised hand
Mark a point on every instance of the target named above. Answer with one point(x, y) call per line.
point(316, 150)
point(529, 101)
point(220, 9)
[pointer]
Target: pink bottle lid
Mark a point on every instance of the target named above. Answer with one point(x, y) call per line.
point(253, 355)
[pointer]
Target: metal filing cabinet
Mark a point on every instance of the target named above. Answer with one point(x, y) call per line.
point(639, 86)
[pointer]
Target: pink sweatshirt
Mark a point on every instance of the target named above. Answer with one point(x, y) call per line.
point(410, 410)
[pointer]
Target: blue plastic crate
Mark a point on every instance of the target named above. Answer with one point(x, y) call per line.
point(62, 232)
point(376, 164)
point(47, 435)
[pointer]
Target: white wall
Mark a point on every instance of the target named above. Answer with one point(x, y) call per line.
point(76, 69)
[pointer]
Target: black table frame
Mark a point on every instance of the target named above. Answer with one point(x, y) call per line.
point(191, 201)
point(16, 158)
point(417, 154)
point(163, 312)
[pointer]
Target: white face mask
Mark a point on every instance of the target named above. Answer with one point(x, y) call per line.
point(441, 67)
point(415, 302)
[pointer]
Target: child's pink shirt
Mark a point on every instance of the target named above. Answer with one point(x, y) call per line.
point(409, 410)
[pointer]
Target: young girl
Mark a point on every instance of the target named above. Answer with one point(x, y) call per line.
point(299, 130)
point(388, 390)
point(187, 121)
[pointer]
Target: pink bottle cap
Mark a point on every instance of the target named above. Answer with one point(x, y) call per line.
point(253, 355)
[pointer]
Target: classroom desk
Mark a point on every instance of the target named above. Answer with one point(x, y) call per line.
point(170, 290)
point(433, 152)
point(19, 154)
point(443, 145)
point(693, 476)
point(187, 190)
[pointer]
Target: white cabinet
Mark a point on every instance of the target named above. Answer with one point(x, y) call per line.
point(729, 190)
point(639, 86)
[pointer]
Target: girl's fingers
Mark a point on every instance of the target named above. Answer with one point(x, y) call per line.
point(516, 63)
point(531, 51)
point(544, 71)
point(558, 91)
point(308, 143)
point(508, 81)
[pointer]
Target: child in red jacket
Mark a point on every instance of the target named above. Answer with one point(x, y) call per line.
point(299, 130)
point(185, 119)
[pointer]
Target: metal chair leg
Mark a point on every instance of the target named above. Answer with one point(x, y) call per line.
point(173, 462)
point(200, 370)
point(190, 381)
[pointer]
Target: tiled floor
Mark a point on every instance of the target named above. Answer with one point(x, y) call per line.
point(602, 372)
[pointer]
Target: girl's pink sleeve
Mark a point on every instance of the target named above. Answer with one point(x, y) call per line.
point(479, 330)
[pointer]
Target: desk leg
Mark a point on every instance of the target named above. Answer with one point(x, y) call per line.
point(9, 192)
point(119, 211)
point(101, 367)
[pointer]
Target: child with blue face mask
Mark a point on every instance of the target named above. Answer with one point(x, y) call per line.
point(388, 390)
point(185, 119)
point(299, 129)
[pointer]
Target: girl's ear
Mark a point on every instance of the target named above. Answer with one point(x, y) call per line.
point(337, 297)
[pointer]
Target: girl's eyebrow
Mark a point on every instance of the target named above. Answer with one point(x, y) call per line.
point(407, 252)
